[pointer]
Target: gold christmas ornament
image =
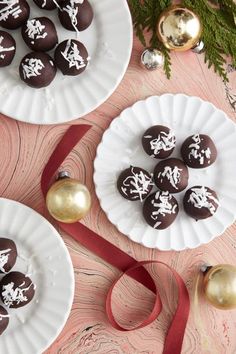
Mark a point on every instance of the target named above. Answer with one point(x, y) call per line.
point(219, 285)
point(68, 200)
point(179, 28)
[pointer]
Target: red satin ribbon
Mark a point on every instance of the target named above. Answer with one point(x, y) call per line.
point(119, 259)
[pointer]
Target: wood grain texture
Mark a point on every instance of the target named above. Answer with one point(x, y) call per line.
point(25, 149)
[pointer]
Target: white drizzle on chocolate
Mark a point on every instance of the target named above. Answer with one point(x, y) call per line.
point(163, 206)
point(140, 184)
point(196, 151)
point(12, 8)
point(72, 55)
point(200, 197)
point(4, 256)
point(35, 30)
point(172, 174)
point(164, 141)
point(31, 67)
point(72, 11)
point(3, 49)
point(11, 295)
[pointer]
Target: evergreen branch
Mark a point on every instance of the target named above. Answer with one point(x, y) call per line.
point(219, 30)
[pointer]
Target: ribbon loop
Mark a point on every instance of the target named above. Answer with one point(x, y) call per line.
point(119, 259)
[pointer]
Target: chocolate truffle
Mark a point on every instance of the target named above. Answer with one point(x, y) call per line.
point(134, 183)
point(7, 48)
point(48, 4)
point(75, 15)
point(160, 210)
point(158, 141)
point(37, 69)
point(4, 319)
point(71, 57)
point(40, 34)
point(171, 175)
point(8, 255)
point(13, 13)
point(200, 202)
point(16, 290)
point(198, 151)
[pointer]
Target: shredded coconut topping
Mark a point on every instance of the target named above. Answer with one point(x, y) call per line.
point(139, 182)
point(35, 29)
point(172, 174)
point(164, 141)
point(196, 151)
point(10, 8)
point(72, 55)
point(4, 256)
point(72, 10)
point(32, 67)
point(162, 205)
point(11, 295)
point(3, 49)
point(200, 197)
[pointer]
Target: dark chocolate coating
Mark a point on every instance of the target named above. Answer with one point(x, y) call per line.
point(83, 18)
point(160, 210)
point(37, 69)
point(16, 280)
point(198, 151)
point(171, 175)
point(8, 254)
point(40, 34)
point(4, 319)
point(47, 4)
point(158, 141)
point(7, 48)
point(71, 57)
point(134, 183)
point(200, 202)
point(14, 16)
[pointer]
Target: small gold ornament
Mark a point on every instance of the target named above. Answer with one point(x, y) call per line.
point(179, 28)
point(68, 200)
point(152, 59)
point(219, 285)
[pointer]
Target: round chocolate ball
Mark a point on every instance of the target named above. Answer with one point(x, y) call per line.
point(7, 48)
point(71, 57)
point(16, 290)
point(200, 202)
point(198, 151)
point(160, 210)
point(171, 175)
point(40, 34)
point(75, 15)
point(134, 183)
point(13, 13)
point(37, 69)
point(4, 319)
point(8, 254)
point(159, 141)
point(48, 4)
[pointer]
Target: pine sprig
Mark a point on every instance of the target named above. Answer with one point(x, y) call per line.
point(219, 30)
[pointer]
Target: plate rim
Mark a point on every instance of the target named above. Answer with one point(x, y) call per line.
point(68, 258)
point(171, 248)
point(104, 99)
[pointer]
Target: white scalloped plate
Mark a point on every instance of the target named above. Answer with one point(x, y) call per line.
point(121, 147)
point(44, 256)
point(109, 43)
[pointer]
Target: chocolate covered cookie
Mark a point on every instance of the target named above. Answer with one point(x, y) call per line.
point(198, 151)
point(200, 202)
point(160, 210)
point(171, 175)
point(134, 183)
point(159, 141)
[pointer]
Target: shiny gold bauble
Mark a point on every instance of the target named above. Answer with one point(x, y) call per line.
point(179, 28)
point(219, 285)
point(68, 200)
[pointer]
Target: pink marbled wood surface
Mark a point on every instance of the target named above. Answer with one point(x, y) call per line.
point(24, 150)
